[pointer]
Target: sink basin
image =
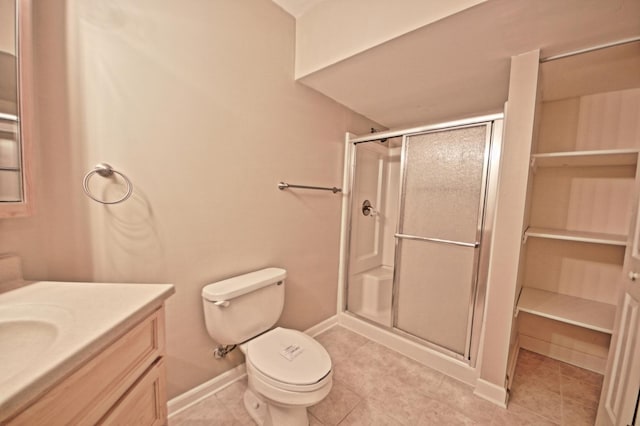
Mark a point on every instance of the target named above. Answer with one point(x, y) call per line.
point(22, 342)
point(27, 332)
point(49, 329)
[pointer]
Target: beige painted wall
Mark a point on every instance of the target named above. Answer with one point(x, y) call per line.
point(335, 30)
point(198, 106)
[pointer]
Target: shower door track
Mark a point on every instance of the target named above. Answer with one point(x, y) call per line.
point(423, 129)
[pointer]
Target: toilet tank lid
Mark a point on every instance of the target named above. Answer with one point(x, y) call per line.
point(242, 284)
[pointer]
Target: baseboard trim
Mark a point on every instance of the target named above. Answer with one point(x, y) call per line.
point(513, 361)
point(206, 389)
point(561, 353)
point(323, 326)
point(491, 392)
point(497, 394)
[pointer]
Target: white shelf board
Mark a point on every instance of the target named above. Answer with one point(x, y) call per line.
point(584, 313)
point(609, 157)
point(580, 236)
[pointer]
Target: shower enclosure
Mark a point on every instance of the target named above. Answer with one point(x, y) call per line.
point(418, 234)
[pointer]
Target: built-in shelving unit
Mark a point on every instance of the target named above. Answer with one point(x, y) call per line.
point(584, 313)
point(582, 308)
point(583, 179)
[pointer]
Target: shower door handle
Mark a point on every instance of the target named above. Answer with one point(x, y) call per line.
point(475, 244)
point(367, 209)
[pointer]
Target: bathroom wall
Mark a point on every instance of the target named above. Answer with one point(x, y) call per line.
point(196, 103)
point(508, 228)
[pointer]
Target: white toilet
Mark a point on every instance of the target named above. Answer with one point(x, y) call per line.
point(288, 370)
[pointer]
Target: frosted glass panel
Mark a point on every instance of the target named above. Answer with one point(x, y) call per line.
point(443, 183)
point(9, 151)
point(10, 186)
point(435, 284)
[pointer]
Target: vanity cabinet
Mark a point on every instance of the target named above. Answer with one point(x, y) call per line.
point(123, 384)
point(581, 203)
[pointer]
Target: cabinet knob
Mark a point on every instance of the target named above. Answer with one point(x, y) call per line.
point(633, 275)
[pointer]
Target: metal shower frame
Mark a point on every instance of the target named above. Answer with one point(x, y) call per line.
point(490, 180)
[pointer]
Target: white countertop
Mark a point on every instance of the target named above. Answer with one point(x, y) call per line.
point(61, 325)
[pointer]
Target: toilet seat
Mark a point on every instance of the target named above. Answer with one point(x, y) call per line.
point(289, 360)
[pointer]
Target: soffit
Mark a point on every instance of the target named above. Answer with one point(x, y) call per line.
point(297, 8)
point(459, 66)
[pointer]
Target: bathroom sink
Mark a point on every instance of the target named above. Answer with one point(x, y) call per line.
point(22, 342)
point(49, 329)
point(27, 332)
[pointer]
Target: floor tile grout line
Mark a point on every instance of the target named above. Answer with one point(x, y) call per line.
point(433, 390)
point(362, 400)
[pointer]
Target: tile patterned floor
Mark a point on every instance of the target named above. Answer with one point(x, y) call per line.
point(376, 386)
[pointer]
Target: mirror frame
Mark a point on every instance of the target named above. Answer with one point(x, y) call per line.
point(25, 111)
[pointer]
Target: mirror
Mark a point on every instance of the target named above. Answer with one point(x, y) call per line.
point(14, 129)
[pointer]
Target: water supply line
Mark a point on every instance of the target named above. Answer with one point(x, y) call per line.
point(222, 350)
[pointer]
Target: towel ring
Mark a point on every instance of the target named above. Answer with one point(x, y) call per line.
point(105, 170)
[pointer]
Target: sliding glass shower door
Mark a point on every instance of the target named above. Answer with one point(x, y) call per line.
point(439, 235)
point(418, 254)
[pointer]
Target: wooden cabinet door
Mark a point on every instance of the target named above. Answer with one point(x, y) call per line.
point(145, 404)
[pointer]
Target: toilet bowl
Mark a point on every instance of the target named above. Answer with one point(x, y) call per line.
point(287, 370)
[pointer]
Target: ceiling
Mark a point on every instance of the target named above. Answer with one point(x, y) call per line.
point(459, 66)
point(297, 7)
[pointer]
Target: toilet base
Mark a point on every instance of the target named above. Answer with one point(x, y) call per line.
point(256, 407)
point(270, 414)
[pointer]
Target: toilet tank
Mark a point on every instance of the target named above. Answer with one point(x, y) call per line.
point(239, 308)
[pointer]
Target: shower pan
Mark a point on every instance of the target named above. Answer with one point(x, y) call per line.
point(419, 221)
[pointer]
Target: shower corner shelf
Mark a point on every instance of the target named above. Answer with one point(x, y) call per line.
point(579, 236)
point(573, 310)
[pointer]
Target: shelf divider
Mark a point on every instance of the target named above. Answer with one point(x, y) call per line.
point(584, 313)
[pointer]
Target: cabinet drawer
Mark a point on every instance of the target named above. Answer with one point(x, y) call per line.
point(86, 395)
point(145, 403)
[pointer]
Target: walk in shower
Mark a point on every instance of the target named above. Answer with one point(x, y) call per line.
point(420, 203)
